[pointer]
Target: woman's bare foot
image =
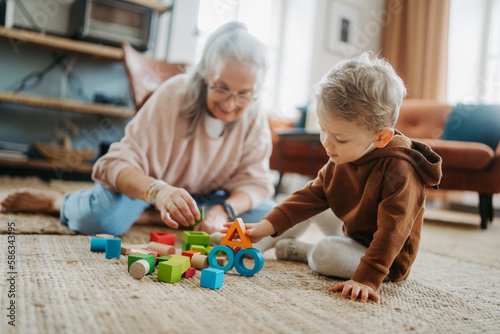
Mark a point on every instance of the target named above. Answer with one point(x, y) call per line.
point(32, 200)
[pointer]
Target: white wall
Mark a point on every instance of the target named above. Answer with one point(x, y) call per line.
point(367, 36)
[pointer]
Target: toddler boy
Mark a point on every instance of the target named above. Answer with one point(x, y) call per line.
point(375, 183)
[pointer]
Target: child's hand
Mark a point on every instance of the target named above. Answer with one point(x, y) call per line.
point(255, 231)
point(357, 290)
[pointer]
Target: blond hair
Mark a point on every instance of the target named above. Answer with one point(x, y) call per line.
point(366, 90)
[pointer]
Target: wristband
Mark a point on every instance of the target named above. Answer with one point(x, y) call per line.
point(152, 191)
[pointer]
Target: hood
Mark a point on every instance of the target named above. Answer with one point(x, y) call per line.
point(424, 160)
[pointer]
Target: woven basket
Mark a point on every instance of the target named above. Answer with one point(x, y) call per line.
point(64, 153)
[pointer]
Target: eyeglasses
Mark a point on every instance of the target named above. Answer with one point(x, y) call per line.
point(222, 94)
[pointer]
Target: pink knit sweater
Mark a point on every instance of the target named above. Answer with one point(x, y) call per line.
point(155, 143)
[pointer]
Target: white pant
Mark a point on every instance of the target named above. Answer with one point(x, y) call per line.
point(333, 255)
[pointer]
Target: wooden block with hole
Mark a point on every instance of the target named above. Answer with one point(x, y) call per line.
point(238, 227)
point(162, 238)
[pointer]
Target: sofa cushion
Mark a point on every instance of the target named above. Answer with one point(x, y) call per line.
point(474, 123)
point(461, 155)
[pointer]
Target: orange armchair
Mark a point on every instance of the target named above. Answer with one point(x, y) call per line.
point(470, 166)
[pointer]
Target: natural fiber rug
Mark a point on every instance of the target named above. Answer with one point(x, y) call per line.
point(62, 287)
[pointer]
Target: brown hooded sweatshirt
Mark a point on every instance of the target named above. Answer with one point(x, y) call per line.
point(379, 197)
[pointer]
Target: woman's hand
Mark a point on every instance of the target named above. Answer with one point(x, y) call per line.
point(176, 206)
point(214, 219)
point(356, 290)
point(255, 231)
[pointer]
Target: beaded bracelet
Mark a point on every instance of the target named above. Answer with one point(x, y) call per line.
point(152, 191)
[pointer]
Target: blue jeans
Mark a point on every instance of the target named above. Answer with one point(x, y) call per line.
point(102, 211)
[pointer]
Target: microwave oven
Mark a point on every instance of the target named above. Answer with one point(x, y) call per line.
point(112, 22)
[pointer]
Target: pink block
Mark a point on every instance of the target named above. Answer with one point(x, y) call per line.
point(189, 273)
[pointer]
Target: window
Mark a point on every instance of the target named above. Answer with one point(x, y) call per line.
point(260, 16)
point(474, 52)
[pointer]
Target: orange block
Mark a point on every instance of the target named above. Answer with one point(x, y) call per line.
point(189, 253)
point(237, 227)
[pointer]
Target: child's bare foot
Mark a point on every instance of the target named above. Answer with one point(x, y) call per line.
point(32, 200)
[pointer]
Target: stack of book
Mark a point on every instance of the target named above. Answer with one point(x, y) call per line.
point(13, 151)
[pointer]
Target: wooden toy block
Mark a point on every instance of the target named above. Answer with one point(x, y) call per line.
point(97, 245)
point(202, 214)
point(196, 238)
point(139, 269)
point(198, 248)
point(190, 253)
point(105, 236)
point(169, 271)
point(237, 227)
point(208, 249)
point(162, 238)
point(163, 258)
point(162, 249)
point(113, 248)
point(155, 253)
point(185, 261)
point(240, 265)
point(199, 261)
point(149, 258)
point(125, 248)
point(212, 260)
point(142, 251)
point(189, 273)
point(222, 260)
point(212, 278)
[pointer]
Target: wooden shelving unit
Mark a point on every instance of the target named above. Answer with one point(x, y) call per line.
point(67, 105)
point(47, 165)
point(156, 5)
point(66, 45)
point(61, 43)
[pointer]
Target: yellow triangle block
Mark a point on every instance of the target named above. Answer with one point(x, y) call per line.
point(237, 227)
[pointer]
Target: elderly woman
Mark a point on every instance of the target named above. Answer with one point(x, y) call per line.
point(200, 140)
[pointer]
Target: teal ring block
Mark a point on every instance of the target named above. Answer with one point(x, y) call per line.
point(97, 245)
point(212, 257)
point(240, 266)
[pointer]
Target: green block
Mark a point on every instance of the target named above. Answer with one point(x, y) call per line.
point(202, 216)
point(198, 248)
point(163, 258)
point(185, 261)
point(169, 271)
point(136, 257)
point(208, 249)
point(196, 238)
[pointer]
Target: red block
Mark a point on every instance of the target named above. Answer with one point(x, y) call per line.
point(163, 238)
point(189, 273)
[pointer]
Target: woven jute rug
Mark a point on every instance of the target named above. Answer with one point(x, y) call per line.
point(58, 286)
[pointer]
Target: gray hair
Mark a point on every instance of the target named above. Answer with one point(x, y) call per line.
point(229, 40)
point(364, 89)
